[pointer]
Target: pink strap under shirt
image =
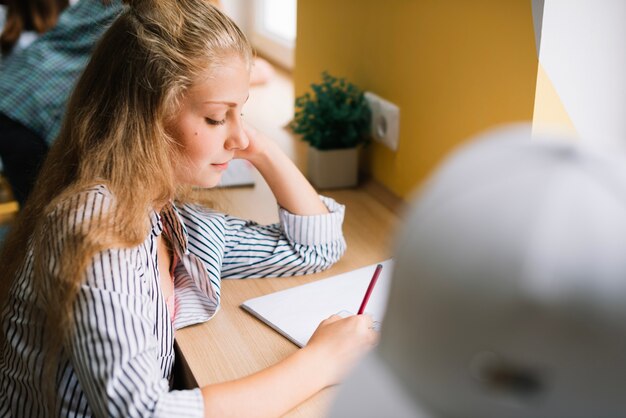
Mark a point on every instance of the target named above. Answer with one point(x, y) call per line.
point(171, 300)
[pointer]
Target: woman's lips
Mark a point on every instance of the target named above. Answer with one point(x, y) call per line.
point(221, 166)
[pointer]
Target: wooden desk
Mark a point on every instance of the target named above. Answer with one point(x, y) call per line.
point(234, 344)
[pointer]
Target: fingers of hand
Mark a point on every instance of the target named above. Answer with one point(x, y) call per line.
point(367, 324)
point(360, 326)
point(333, 318)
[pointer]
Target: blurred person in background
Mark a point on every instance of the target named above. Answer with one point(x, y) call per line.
point(36, 82)
point(24, 20)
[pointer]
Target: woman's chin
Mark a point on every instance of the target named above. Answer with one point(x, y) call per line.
point(207, 182)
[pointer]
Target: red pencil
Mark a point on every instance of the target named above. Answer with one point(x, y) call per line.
point(370, 288)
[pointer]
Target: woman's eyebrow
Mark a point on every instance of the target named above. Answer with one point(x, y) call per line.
point(230, 104)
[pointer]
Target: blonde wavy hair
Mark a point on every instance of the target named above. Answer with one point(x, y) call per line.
point(114, 134)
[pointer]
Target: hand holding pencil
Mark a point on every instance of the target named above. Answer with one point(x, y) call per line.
point(346, 339)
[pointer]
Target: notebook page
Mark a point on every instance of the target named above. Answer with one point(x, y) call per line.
point(295, 313)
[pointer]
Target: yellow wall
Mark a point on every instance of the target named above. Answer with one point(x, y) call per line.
point(549, 115)
point(455, 68)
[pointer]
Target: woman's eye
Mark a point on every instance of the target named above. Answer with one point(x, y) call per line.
point(215, 122)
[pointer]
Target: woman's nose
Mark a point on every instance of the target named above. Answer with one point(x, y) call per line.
point(237, 138)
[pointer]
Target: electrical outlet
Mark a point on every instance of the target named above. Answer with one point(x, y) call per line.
point(385, 126)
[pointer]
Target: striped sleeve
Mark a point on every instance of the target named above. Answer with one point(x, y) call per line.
point(113, 348)
point(295, 246)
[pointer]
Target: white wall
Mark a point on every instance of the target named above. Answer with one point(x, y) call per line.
point(583, 53)
point(238, 10)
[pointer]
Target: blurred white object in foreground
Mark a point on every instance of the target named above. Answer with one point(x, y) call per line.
point(509, 292)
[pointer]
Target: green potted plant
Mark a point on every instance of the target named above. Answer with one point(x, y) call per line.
point(335, 120)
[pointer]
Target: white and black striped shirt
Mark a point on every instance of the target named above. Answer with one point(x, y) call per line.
point(120, 358)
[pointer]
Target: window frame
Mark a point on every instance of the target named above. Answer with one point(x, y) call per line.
point(277, 49)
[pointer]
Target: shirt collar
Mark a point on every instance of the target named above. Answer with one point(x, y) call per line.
point(156, 226)
point(170, 220)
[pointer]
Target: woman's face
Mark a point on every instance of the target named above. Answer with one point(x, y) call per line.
point(208, 126)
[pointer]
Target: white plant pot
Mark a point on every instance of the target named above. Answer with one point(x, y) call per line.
point(331, 169)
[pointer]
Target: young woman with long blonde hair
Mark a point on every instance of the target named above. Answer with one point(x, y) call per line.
point(110, 256)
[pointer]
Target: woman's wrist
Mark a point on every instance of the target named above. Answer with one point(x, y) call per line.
point(322, 364)
point(292, 190)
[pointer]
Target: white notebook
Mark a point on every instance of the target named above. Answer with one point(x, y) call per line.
point(296, 312)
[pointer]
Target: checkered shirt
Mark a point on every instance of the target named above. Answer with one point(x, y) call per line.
point(36, 83)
